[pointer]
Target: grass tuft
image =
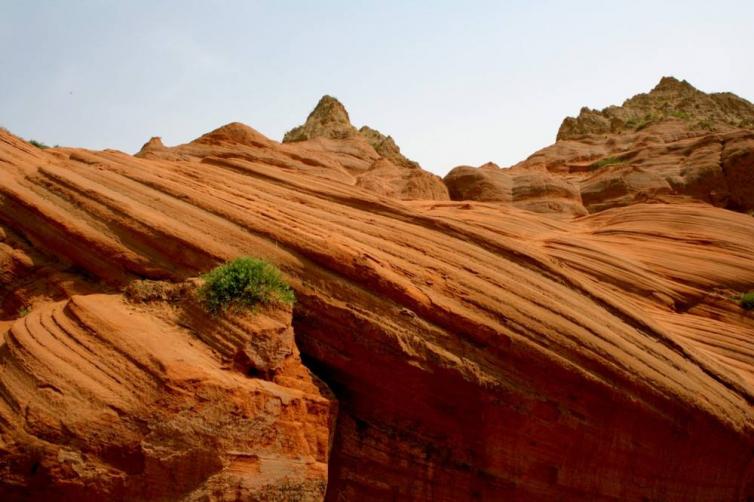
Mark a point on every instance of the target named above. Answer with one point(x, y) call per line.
point(607, 161)
point(244, 283)
point(746, 300)
point(38, 144)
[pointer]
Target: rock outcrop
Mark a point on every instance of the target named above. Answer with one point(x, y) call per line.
point(476, 351)
point(329, 119)
point(536, 190)
point(674, 141)
point(373, 159)
point(108, 400)
point(670, 98)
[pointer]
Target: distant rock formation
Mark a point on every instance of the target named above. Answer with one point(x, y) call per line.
point(534, 190)
point(670, 98)
point(326, 145)
point(674, 141)
point(329, 119)
point(375, 159)
point(385, 146)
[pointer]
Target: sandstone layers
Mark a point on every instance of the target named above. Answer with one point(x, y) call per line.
point(373, 159)
point(470, 350)
point(673, 141)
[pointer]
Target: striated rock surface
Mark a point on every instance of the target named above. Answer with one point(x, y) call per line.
point(536, 190)
point(674, 141)
point(476, 351)
point(108, 400)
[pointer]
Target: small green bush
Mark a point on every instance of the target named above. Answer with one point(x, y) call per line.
point(38, 144)
point(680, 114)
point(707, 125)
point(244, 283)
point(607, 161)
point(747, 300)
point(23, 311)
point(639, 123)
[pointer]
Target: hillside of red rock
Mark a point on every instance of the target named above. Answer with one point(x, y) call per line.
point(673, 141)
point(373, 160)
point(453, 350)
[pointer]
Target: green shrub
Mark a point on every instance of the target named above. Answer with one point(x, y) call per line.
point(680, 114)
point(23, 311)
point(639, 123)
point(747, 300)
point(707, 125)
point(38, 144)
point(607, 161)
point(243, 283)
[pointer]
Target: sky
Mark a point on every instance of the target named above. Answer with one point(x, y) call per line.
point(454, 83)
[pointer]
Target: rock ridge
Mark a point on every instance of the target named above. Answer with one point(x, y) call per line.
point(670, 99)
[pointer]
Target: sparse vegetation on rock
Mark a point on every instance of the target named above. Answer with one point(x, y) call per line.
point(670, 98)
point(329, 119)
point(747, 300)
point(244, 283)
point(607, 161)
point(38, 144)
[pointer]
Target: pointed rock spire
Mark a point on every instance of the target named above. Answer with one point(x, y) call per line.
point(329, 119)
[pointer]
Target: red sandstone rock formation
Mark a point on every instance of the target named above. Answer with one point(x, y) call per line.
point(675, 140)
point(112, 401)
point(374, 159)
point(476, 351)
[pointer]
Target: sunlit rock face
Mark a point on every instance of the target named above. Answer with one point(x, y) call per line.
point(674, 141)
point(571, 340)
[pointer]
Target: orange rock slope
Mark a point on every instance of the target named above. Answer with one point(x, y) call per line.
point(473, 350)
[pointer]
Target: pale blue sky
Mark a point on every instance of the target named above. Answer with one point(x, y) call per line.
point(453, 82)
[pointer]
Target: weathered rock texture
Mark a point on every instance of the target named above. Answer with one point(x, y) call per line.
point(107, 400)
point(673, 141)
point(373, 159)
point(670, 98)
point(477, 351)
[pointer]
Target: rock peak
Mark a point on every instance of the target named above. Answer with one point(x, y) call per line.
point(329, 106)
point(671, 84)
point(329, 119)
point(670, 99)
point(236, 133)
point(154, 144)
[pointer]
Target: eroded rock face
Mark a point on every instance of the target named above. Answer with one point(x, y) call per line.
point(674, 141)
point(476, 350)
point(104, 399)
point(670, 98)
